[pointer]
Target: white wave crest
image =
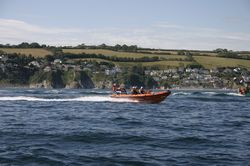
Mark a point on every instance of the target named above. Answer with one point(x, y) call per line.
point(234, 94)
point(181, 93)
point(210, 93)
point(85, 98)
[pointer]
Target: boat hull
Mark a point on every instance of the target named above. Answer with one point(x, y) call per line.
point(152, 98)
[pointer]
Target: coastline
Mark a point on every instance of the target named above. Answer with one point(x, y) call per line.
point(18, 86)
point(2, 86)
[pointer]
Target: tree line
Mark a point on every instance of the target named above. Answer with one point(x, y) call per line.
point(132, 48)
point(101, 56)
point(117, 47)
point(230, 54)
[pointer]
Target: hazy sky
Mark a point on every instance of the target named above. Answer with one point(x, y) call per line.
point(177, 24)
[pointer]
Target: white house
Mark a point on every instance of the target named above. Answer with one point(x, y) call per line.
point(34, 63)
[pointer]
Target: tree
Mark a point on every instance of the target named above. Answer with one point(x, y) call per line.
point(150, 82)
point(138, 70)
point(117, 47)
point(194, 65)
point(83, 46)
point(103, 46)
point(23, 45)
point(124, 47)
point(133, 48)
point(49, 58)
point(34, 45)
point(181, 52)
point(132, 79)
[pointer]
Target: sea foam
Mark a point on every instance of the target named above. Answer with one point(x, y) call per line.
point(84, 98)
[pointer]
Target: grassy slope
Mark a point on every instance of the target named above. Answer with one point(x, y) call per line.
point(175, 52)
point(160, 64)
point(210, 62)
point(36, 52)
point(119, 54)
point(206, 61)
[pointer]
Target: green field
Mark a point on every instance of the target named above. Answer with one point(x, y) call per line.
point(211, 62)
point(159, 64)
point(36, 52)
point(120, 54)
point(159, 51)
point(175, 52)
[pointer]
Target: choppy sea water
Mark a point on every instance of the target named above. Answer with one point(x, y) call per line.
point(87, 127)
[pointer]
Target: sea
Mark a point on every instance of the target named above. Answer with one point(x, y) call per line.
point(88, 127)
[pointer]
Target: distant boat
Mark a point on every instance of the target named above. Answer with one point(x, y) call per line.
point(244, 92)
point(153, 97)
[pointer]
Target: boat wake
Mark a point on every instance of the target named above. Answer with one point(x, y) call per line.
point(182, 94)
point(84, 99)
point(206, 94)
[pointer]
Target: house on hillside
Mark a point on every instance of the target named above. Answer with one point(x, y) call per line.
point(147, 72)
point(176, 76)
point(78, 68)
point(4, 58)
point(2, 67)
point(173, 71)
point(156, 78)
point(214, 70)
point(47, 69)
point(164, 77)
point(117, 69)
point(35, 64)
point(181, 69)
point(57, 61)
point(204, 71)
point(237, 70)
point(113, 71)
point(188, 70)
point(195, 70)
point(227, 70)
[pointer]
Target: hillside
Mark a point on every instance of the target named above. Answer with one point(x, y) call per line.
point(167, 58)
point(36, 52)
point(122, 54)
point(99, 68)
point(212, 62)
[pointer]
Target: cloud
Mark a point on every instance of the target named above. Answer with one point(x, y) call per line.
point(160, 35)
point(167, 25)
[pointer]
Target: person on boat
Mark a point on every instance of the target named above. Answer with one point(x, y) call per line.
point(123, 91)
point(114, 87)
point(134, 90)
point(118, 90)
point(141, 90)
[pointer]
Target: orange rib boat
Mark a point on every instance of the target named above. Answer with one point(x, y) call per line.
point(153, 98)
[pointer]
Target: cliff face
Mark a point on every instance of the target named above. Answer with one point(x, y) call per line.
point(103, 84)
point(79, 80)
point(41, 80)
point(61, 79)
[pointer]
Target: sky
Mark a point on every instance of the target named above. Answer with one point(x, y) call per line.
point(167, 24)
